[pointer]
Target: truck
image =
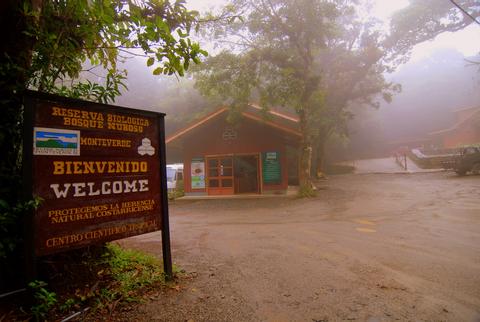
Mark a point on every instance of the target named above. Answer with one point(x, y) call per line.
point(174, 176)
point(468, 160)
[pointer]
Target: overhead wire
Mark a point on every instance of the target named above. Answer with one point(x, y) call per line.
point(465, 11)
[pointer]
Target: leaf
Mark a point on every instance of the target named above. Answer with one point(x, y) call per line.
point(4, 204)
point(150, 61)
point(157, 71)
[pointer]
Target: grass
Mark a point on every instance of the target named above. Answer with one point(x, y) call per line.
point(123, 276)
point(105, 280)
point(131, 271)
point(306, 192)
point(177, 192)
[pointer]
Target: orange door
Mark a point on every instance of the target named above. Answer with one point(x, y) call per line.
point(220, 175)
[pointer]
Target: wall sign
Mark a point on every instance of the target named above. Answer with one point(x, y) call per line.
point(100, 170)
point(271, 168)
point(197, 172)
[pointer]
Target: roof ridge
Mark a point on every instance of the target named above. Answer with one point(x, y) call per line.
point(456, 125)
point(247, 114)
point(276, 113)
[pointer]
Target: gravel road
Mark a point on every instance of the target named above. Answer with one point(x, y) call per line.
point(373, 247)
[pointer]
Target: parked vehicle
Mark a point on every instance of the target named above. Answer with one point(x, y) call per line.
point(174, 176)
point(467, 161)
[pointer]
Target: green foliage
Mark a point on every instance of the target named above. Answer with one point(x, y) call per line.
point(132, 270)
point(44, 300)
point(68, 305)
point(94, 92)
point(306, 192)
point(178, 192)
point(102, 279)
point(48, 46)
point(423, 20)
point(68, 33)
point(9, 222)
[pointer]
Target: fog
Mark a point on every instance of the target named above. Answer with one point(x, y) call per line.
point(176, 97)
point(432, 88)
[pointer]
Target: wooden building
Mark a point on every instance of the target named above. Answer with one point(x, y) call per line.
point(256, 155)
point(465, 131)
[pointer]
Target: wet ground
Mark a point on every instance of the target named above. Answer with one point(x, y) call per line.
point(372, 247)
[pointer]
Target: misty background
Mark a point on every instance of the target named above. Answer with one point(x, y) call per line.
point(432, 88)
point(434, 83)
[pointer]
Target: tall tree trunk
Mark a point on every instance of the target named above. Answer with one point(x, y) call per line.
point(319, 162)
point(305, 158)
point(15, 59)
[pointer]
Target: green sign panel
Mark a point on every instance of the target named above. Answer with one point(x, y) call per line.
point(271, 169)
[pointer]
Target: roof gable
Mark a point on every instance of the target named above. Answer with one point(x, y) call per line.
point(473, 112)
point(277, 120)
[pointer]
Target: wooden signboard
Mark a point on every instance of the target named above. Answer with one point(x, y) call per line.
point(100, 170)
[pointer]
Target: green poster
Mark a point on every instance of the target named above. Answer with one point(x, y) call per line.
point(197, 173)
point(271, 169)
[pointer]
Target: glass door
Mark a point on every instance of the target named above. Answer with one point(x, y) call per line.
point(220, 175)
point(246, 173)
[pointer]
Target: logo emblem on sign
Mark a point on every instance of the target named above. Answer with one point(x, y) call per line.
point(48, 141)
point(146, 148)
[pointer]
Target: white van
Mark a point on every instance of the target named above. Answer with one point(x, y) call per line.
point(174, 175)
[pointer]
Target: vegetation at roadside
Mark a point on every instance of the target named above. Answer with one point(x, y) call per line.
point(44, 300)
point(101, 281)
point(54, 46)
point(177, 192)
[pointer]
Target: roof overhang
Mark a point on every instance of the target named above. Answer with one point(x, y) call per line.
point(458, 124)
point(253, 114)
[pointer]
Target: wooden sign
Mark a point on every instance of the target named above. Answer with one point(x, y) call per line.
point(100, 170)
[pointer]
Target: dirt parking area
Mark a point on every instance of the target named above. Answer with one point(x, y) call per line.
point(374, 247)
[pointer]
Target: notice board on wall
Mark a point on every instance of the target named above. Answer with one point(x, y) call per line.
point(99, 170)
point(271, 168)
point(197, 173)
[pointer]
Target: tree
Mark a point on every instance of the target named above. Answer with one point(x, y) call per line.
point(313, 56)
point(353, 67)
point(47, 44)
point(423, 20)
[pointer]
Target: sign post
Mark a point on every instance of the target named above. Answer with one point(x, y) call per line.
point(166, 250)
point(100, 170)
